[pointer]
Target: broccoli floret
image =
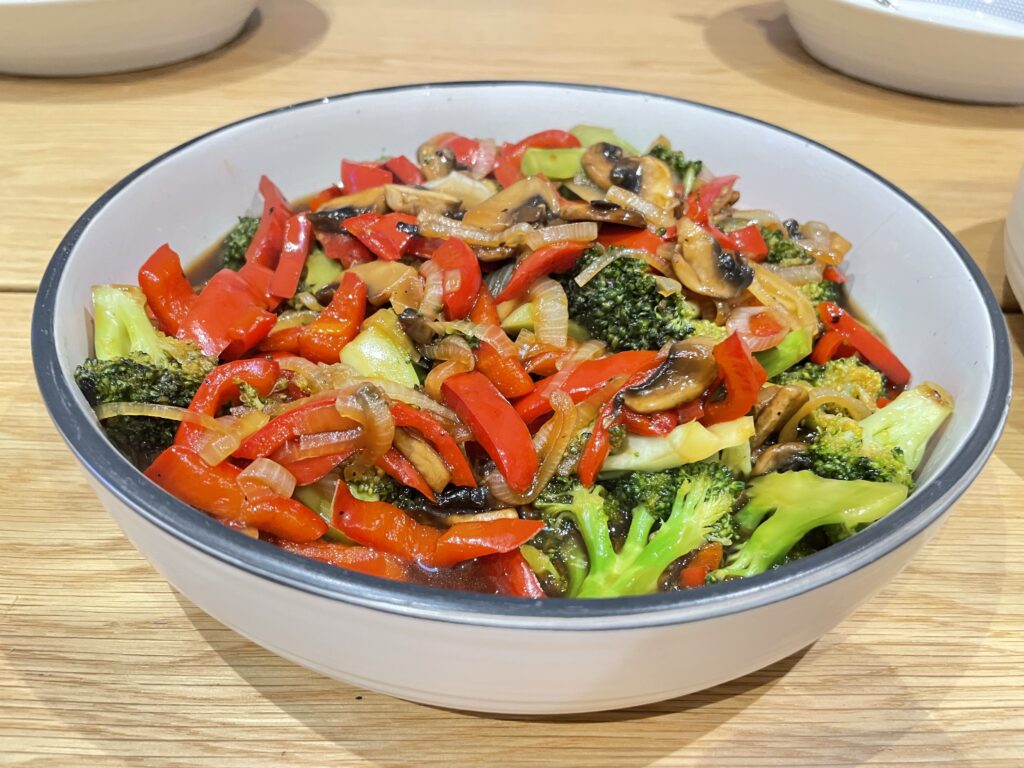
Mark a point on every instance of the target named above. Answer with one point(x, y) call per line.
point(374, 484)
point(623, 307)
point(232, 249)
point(704, 494)
point(685, 171)
point(136, 363)
point(886, 446)
point(847, 375)
point(822, 290)
point(710, 330)
point(782, 250)
point(799, 502)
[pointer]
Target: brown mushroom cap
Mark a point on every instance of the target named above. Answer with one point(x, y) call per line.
point(434, 162)
point(602, 211)
point(773, 414)
point(778, 458)
point(528, 200)
point(688, 370)
point(405, 199)
point(704, 268)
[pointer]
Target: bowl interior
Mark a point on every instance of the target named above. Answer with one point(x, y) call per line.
point(905, 274)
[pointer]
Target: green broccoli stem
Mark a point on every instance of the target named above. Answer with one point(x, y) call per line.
point(909, 421)
point(122, 327)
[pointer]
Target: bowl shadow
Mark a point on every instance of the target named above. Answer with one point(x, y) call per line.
point(277, 32)
point(759, 41)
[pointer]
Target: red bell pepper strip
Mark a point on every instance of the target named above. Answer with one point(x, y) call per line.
point(455, 256)
point(227, 320)
point(323, 339)
point(495, 426)
point(259, 279)
point(707, 559)
point(743, 377)
point(269, 237)
point(509, 574)
point(583, 380)
point(557, 257)
point(381, 234)
point(399, 468)
point(507, 374)
point(298, 239)
point(485, 310)
point(465, 541)
point(220, 387)
point(384, 527)
point(832, 274)
point(308, 471)
point(827, 347)
point(700, 202)
point(324, 196)
point(215, 490)
point(463, 148)
point(598, 445)
point(344, 248)
point(510, 156)
point(749, 241)
point(633, 239)
point(864, 342)
point(441, 440)
point(309, 419)
point(282, 341)
point(359, 559)
point(405, 170)
point(355, 177)
point(691, 411)
point(168, 292)
point(649, 424)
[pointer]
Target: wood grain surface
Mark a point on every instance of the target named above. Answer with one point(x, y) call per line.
point(102, 664)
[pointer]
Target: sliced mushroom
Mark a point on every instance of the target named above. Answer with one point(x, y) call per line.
point(390, 281)
point(779, 458)
point(656, 182)
point(608, 165)
point(688, 370)
point(529, 199)
point(419, 452)
point(776, 411)
point(703, 267)
point(420, 330)
point(498, 253)
point(412, 200)
point(601, 211)
point(434, 162)
point(329, 217)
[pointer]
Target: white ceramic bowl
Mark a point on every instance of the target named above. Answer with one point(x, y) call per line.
point(501, 654)
point(1013, 241)
point(970, 53)
point(91, 37)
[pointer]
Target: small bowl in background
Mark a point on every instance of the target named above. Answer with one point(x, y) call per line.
point(93, 37)
point(965, 51)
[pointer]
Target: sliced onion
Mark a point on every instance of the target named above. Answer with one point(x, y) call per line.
point(458, 357)
point(659, 217)
point(798, 274)
point(550, 442)
point(294, 318)
point(422, 456)
point(465, 188)
point(508, 513)
point(822, 243)
point(586, 412)
point(378, 423)
point(760, 216)
point(590, 271)
point(409, 396)
point(492, 334)
point(483, 163)
point(576, 232)
point(433, 289)
point(551, 312)
point(215, 447)
point(739, 322)
point(818, 398)
point(266, 475)
point(308, 300)
point(171, 412)
point(591, 349)
point(785, 299)
point(344, 441)
point(517, 234)
point(584, 189)
point(436, 225)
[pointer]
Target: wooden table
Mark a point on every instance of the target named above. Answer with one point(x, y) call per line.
point(101, 664)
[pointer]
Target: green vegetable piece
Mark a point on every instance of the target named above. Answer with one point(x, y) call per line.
point(794, 347)
point(372, 353)
point(521, 319)
point(799, 502)
point(232, 249)
point(593, 134)
point(320, 271)
point(553, 163)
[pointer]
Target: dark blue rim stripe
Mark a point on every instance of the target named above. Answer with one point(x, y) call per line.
point(265, 561)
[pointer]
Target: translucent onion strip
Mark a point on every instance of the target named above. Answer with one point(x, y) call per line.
point(576, 232)
point(592, 269)
point(486, 154)
point(266, 474)
point(217, 447)
point(378, 423)
point(492, 334)
point(659, 217)
point(739, 322)
point(321, 444)
point(784, 298)
point(458, 357)
point(798, 274)
point(820, 397)
point(433, 289)
point(436, 225)
point(551, 312)
point(171, 412)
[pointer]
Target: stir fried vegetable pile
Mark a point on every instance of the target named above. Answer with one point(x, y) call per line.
point(559, 367)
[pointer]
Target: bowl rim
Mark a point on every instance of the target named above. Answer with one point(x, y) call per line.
point(1010, 31)
point(199, 531)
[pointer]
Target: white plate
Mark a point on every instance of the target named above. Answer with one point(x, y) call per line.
point(966, 50)
point(89, 37)
point(1013, 242)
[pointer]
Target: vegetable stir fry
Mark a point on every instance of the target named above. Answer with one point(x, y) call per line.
point(560, 367)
